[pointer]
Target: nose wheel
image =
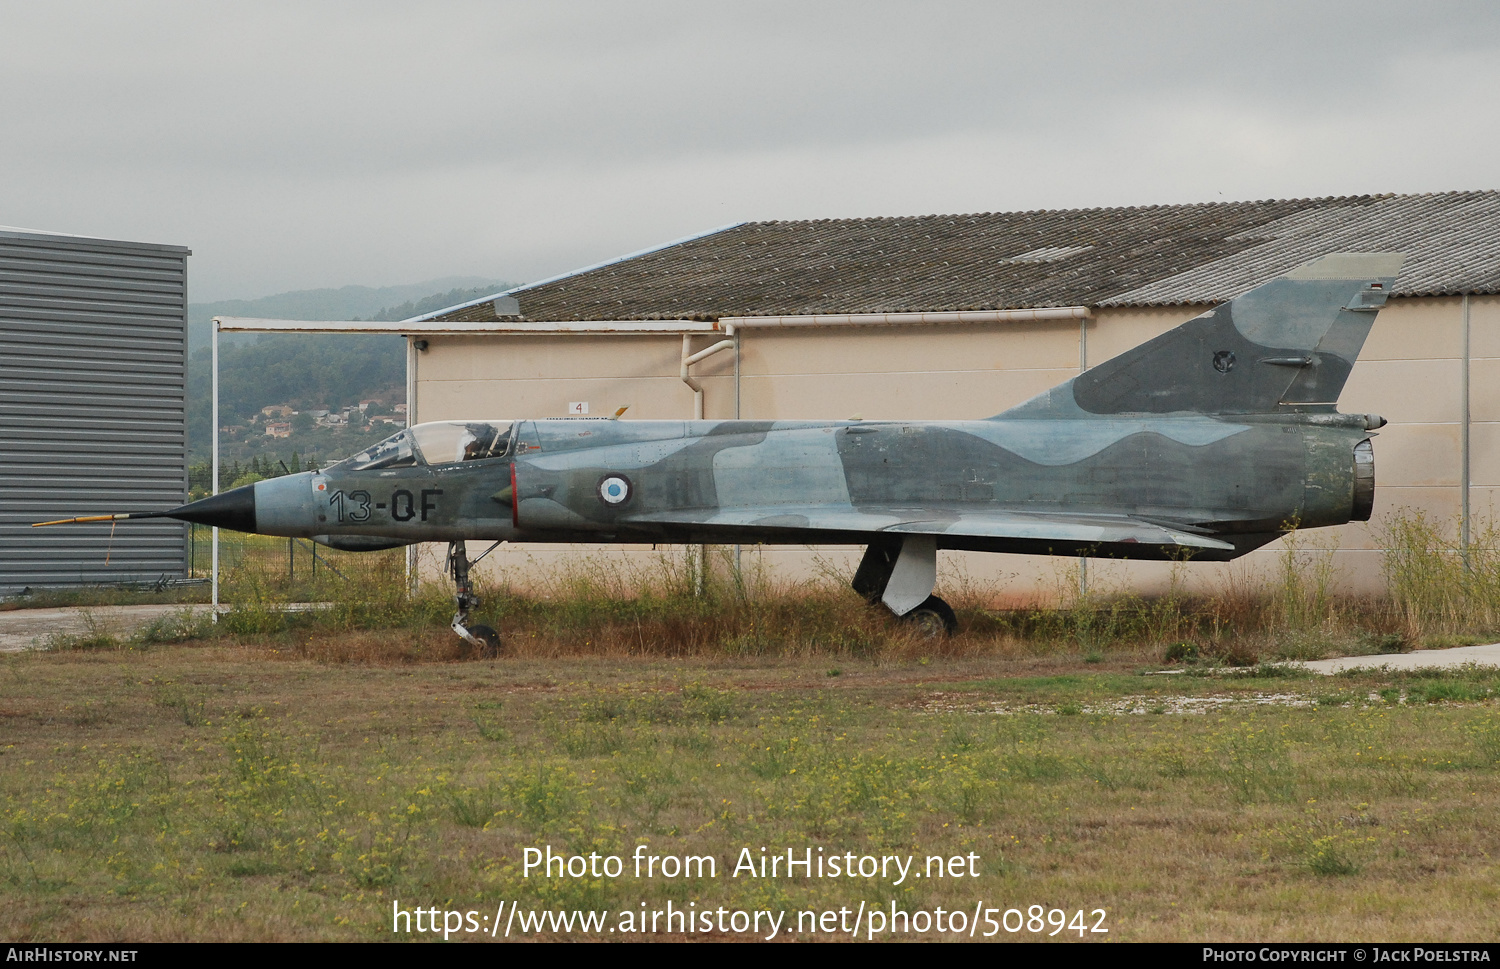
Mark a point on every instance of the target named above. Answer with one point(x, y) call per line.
point(484, 639)
point(489, 640)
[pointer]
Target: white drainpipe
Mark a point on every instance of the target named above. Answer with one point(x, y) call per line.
point(688, 359)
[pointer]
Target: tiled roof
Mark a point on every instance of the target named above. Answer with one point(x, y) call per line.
point(1137, 256)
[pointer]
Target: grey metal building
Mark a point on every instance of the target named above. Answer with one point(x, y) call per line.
point(93, 407)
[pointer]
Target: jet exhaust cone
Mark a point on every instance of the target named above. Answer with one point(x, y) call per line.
point(233, 509)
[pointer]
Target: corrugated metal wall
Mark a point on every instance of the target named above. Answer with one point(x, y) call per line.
point(93, 408)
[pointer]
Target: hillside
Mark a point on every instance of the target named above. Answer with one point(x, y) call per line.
point(343, 303)
point(306, 371)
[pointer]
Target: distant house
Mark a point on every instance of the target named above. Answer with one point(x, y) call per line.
point(279, 429)
point(278, 410)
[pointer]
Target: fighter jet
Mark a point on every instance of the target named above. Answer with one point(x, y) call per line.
point(1203, 444)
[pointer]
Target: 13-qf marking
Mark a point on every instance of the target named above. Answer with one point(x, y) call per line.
point(360, 500)
point(404, 504)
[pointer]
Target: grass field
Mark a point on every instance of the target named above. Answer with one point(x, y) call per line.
point(240, 790)
point(307, 776)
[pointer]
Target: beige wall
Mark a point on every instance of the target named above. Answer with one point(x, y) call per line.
point(1410, 372)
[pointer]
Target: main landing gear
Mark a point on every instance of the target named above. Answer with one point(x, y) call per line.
point(934, 618)
point(900, 573)
point(484, 639)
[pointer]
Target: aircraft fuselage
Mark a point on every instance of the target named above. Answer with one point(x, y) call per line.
point(795, 482)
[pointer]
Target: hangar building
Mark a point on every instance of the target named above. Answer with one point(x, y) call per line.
point(961, 317)
point(93, 407)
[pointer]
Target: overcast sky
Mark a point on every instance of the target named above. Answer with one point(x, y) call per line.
point(315, 144)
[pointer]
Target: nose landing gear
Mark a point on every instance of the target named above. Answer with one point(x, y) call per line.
point(484, 639)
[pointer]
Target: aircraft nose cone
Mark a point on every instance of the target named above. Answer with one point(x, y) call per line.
point(234, 509)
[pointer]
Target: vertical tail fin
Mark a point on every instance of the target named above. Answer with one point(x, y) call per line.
point(1288, 344)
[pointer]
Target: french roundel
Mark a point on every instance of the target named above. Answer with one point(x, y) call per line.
point(615, 489)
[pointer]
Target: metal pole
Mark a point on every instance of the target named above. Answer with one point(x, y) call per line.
point(1464, 475)
point(214, 610)
point(1083, 364)
point(702, 550)
point(739, 576)
point(411, 418)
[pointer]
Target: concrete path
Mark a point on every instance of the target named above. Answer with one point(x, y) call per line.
point(29, 628)
point(1457, 656)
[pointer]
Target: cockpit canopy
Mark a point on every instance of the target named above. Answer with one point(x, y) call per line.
point(436, 442)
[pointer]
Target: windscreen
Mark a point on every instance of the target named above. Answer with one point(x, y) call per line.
point(395, 451)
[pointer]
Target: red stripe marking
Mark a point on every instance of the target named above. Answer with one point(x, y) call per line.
point(515, 498)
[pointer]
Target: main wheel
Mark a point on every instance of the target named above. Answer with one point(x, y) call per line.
point(934, 618)
point(490, 638)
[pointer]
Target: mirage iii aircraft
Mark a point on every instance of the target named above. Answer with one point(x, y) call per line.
point(1202, 443)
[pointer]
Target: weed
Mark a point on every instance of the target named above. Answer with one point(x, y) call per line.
point(1279, 671)
point(1485, 736)
point(650, 785)
point(591, 739)
point(1181, 653)
point(775, 757)
point(1372, 644)
point(1173, 763)
point(696, 741)
point(171, 696)
point(960, 736)
point(1329, 856)
point(1452, 691)
point(474, 807)
point(1033, 766)
point(1305, 584)
point(543, 797)
point(1253, 762)
point(96, 636)
point(488, 723)
point(1304, 644)
point(1450, 640)
point(1438, 586)
point(181, 626)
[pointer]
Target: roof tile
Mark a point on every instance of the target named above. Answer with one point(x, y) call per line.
point(1132, 256)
